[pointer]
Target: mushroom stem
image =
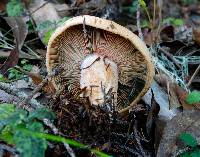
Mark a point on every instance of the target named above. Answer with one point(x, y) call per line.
point(99, 79)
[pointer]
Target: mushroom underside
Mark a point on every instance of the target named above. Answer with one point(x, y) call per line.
point(70, 49)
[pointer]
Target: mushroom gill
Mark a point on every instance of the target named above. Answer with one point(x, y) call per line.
point(111, 62)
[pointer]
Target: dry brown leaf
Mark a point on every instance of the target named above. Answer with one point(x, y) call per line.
point(182, 94)
point(169, 86)
point(20, 31)
point(37, 79)
point(177, 95)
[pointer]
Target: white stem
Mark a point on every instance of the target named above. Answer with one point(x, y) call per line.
point(99, 79)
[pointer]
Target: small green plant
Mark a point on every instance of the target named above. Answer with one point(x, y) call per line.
point(190, 141)
point(50, 27)
point(14, 8)
point(12, 120)
point(15, 74)
point(26, 132)
point(173, 21)
point(2, 78)
point(193, 98)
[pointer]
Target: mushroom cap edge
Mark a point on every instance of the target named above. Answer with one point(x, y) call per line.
point(115, 28)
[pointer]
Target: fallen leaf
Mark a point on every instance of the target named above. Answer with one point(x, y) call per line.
point(182, 95)
point(20, 31)
point(169, 86)
point(37, 79)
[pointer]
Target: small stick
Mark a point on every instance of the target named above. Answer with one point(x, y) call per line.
point(69, 150)
point(39, 8)
point(170, 56)
point(193, 76)
point(138, 22)
point(8, 148)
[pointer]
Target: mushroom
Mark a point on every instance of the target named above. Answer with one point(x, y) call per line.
point(108, 64)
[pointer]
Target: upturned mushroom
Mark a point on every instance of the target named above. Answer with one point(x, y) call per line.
point(102, 60)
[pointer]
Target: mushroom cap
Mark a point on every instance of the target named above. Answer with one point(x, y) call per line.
point(108, 39)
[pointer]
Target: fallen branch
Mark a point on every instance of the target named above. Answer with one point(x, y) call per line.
point(193, 76)
point(171, 57)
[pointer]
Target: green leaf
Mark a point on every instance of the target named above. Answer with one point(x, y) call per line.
point(14, 8)
point(142, 3)
point(48, 35)
point(27, 67)
point(45, 25)
point(1, 78)
point(193, 97)
point(188, 139)
point(144, 23)
point(186, 154)
point(27, 145)
point(63, 140)
point(24, 61)
point(6, 110)
point(61, 21)
point(13, 119)
point(13, 73)
point(41, 113)
point(195, 153)
point(6, 135)
point(178, 22)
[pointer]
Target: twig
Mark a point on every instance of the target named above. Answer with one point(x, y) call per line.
point(193, 76)
point(39, 8)
point(170, 56)
point(160, 4)
point(138, 22)
point(69, 150)
point(8, 148)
